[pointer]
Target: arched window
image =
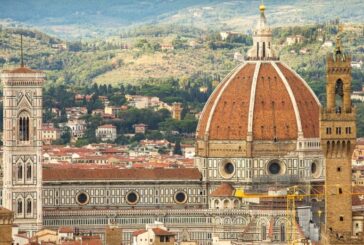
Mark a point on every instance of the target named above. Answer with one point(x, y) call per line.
point(339, 94)
point(283, 232)
point(264, 232)
point(217, 204)
point(263, 49)
point(29, 206)
point(20, 206)
point(24, 126)
point(29, 171)
point(20, 171)
point(258, 50)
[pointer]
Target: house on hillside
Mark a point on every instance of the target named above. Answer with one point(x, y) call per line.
point(296, 39)
point(106, 132)
point(140, 128)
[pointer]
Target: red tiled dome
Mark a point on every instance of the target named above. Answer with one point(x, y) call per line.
point(264, 99)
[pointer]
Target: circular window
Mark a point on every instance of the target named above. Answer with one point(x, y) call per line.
point(227, 169)
point(313, 167)
point(82, 198)
point(180, 197)
point(132, 197)
point(316, 169)
point(275, 167)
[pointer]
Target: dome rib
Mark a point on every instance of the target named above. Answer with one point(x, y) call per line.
point(302, 80)
point(305, 98)
point(202, 123)
point(213, 109)
point(292, 97)
point(252, 101)
point(260, 100)
point(274, 117)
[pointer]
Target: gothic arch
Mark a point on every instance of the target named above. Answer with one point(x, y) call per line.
point(20, 206)
point(19, 170)
point(281, 225)
point(216, 203)
point(29, 206)
point(226, 203)
point(240, 220)
point(23, 124)
point(339, 95)
point(263, 226)
point(29, 170)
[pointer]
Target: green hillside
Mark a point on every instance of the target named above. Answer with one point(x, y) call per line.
point(93, 18)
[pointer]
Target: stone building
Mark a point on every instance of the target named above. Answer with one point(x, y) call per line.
point(154, 234)
point(176, 111)
point(338, 139)
point(50, 134)
point(106, 132)
point(259, 129)
point(113, 235)
point(22, 180)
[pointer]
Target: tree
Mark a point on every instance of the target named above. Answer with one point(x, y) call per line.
point(82, 142)
point(177, 148)
point(138, 137)
point(65, 137)
point(122, 140)
point(154, 135)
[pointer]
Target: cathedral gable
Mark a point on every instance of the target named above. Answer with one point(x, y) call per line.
point(24, 100)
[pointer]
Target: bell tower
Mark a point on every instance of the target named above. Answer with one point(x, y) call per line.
point(22, 179)
point(338, 139)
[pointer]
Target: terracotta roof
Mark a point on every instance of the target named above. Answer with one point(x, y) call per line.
point(71, 243)
point(139, 232)
point(358, 200)
point(5, 211)
point(107, 126)
point(223, 190)
point(69, 174)
point(161, 232)
point(91, 240)
point(279, 94)
point(65, 229)
point(22, 70)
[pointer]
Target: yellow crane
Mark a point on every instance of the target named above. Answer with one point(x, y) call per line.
point(294, 193)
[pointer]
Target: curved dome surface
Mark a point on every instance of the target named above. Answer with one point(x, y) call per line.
point(260, 100)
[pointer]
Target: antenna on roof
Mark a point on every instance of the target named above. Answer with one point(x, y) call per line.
point(21, 51)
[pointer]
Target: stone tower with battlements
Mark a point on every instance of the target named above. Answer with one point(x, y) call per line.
point(22, 178)
point(338, 139)
point(176, 111)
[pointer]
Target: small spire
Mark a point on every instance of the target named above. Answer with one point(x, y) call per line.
point(262, 6)
point(21, 51)
point(338, 39)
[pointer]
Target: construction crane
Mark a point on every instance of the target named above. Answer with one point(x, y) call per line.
point(294, 193)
